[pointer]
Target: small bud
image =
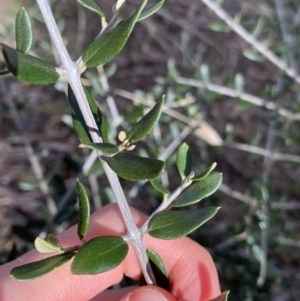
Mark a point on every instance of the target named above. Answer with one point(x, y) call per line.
point(103, 23)
point(131, 147)
point(119, 4)
point(190, 176)
point(122, 136)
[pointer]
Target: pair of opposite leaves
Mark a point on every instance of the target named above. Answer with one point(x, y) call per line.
point(127, 166)
point(104, 253)
point(36, 71)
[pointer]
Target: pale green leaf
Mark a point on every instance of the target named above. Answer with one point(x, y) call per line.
point(53, 240)
point(29, 68)
point(156, 184)
point(107, 149)
point(99, 255)
point(146, 124)
point(206, 173)
point(253, 55)
point(150, 10)
point(111, 42)
point(37, 269)
point(239, 83)
point(84, 210)
point(184, 160)
point(135, 168)
point(24, 31)
point(258, 27)
point(259, 253)
point(199, 190)
point(175, 224)
point(219, 26)
point(91, 5)
point(45, 246)
point(205, 73)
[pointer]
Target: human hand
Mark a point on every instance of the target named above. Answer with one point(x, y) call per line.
point(191, 271)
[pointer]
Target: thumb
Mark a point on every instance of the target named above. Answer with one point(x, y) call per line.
point(149, 293)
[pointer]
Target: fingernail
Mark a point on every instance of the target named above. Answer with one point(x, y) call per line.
point(146, 294)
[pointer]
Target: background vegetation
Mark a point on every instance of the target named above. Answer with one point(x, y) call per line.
point(254, 137)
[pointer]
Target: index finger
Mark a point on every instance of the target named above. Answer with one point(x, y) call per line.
point(190, 269)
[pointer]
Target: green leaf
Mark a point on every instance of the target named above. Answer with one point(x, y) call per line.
point(78, 120)
point(91, 5)
point(84, 210)
point(146, 124)
point(156, 184)
point(99, 255)
point(175, 224)
point(150, 11)
point(199, 190)
point(135, 168)
point(99, 118)
point(107, 149)
point(40, 268)
point(184, 160)
point(253, 55)
point(29, 68)
point(159, 270)
point(110, 43)
point(51, 238)
point(155, 258)
point(239, 83)
point(24, 31)
point(45, 246)
point(222, 297)
point(219, 26)
point(205, 74)
point(205, 174)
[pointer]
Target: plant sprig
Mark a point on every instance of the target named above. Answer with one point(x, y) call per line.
point(101, 254)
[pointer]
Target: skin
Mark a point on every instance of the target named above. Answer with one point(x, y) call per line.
point(190, 268)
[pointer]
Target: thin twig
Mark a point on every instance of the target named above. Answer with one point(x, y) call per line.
point(285, 32)
point(116, 117)
point(71, 71)
point(288, 242)
point(81, 28)
point(94, 187)
point(168, 201)
point(35, 164)
point(93, 156)
point(245, 35)
point(240, 95)
point(264, 152)
point(238, 196)
point(285, 206)
point(232, 241)
point(176, 142)
point(95, 191)
point(264, 258)
point(254, 202)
